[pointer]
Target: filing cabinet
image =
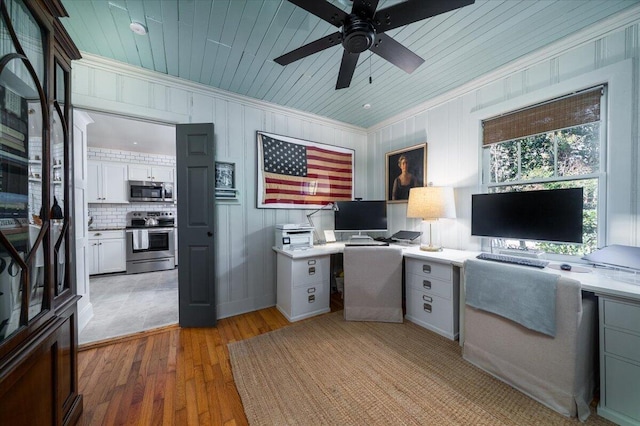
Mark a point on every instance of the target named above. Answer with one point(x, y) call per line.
point(303, 286)
point(432, 294)
point(619, 360)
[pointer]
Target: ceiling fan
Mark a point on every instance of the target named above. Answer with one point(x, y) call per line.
point(363, 29)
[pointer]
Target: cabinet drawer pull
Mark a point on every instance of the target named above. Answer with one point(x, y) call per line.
point(312, 270)
point(427, 307)
point(311, 290)
point(426, 269)
point(426, 284)
point(312, 298)
point(311, 262)
point(427, 298)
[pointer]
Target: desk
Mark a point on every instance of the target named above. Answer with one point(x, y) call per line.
point(618, 300)
point(303, 284)
point(604, 283)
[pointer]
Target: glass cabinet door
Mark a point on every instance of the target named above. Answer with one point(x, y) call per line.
point(59, 206)
point(23, 265)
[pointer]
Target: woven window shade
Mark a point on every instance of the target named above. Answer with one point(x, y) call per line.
point(566, 112)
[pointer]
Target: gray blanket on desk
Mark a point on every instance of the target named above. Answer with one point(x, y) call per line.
point(525, 296)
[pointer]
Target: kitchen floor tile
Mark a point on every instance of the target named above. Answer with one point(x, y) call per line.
point(125, 304)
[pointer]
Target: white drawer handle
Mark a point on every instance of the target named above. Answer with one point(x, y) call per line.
point(311, 290)
point(427, 307)
point(312, 270)
point(426, 284)
point(311, 262)
point(312, 298)
point(426, 298)
point(426, 269)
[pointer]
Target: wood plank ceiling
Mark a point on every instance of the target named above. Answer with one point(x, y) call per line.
point(231, 44)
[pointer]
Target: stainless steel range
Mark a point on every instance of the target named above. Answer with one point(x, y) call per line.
point(150, 241)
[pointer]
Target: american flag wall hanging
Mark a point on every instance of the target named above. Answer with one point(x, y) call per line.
point(294, 173)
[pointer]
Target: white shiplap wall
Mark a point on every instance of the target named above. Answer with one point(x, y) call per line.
point(451, 127)
point(245, 263)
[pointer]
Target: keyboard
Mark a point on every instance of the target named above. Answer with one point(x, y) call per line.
point(515, 260)
point(366, 243)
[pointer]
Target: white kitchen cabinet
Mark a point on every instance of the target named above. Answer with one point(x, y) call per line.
point(107, 182)
point(107, 252)
point(432, 293)
point(144, 172)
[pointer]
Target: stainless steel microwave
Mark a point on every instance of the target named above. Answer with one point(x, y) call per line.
point(140, 191)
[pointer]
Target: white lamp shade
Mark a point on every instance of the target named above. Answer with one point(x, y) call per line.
point(431, 202)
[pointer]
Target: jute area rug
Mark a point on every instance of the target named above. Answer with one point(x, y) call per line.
point(327, 371)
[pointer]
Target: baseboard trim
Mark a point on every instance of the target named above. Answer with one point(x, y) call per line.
point(126, 337)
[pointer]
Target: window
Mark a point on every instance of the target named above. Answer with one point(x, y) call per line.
point(556, 144)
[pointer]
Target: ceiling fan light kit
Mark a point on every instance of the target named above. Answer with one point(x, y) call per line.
point(363, 29)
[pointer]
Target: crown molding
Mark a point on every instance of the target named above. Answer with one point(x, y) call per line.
point(109, 65)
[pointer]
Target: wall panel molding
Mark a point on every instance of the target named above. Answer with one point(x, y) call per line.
point(245, 271)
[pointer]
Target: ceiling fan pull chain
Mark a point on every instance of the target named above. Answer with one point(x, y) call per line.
point(370, 78)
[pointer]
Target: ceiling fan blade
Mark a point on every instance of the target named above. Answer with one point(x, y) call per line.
point(347, 67)
point(413, 11)
point(397, 54)
point(364, 8)
point(310, 48)
point(323, 10)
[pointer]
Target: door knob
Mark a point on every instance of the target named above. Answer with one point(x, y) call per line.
point(209, 234)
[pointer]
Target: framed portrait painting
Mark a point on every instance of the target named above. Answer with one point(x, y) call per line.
point(405, 168)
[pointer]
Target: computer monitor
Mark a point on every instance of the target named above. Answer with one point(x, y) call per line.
point(548, 215)
point(361, 216)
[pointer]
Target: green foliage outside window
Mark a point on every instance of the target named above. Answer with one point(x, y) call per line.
point(566, 158)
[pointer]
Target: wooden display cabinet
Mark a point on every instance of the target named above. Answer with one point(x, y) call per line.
point(38, 313)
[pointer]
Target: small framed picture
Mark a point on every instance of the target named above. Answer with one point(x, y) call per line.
point(405, 168)
point(225, 175)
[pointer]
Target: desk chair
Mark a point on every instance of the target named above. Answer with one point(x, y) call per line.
point(556, 371)
point(373, 284)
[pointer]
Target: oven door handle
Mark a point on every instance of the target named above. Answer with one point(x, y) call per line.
point(152, 230)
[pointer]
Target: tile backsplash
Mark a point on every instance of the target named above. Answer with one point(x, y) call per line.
point(114, 215)
point(130, 157)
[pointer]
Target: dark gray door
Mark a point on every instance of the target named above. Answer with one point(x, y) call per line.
point(195, 167)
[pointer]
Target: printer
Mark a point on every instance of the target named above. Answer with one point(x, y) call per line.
point(294, 236)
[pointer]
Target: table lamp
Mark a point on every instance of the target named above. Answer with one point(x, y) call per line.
point(431, 203)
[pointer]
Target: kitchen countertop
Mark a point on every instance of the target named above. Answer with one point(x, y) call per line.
point(106, 228)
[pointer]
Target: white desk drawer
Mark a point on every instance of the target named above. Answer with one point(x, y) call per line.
point(622, 392)
point(310, 270)
point(430, 285)
point(309, 299)
point(622, 315)
point(623, 344)
point(428, 269)
point(430, 311)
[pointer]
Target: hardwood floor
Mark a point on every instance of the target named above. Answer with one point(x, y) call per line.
point(172, 376)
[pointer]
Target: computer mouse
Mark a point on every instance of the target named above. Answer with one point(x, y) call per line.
point(565, 267)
